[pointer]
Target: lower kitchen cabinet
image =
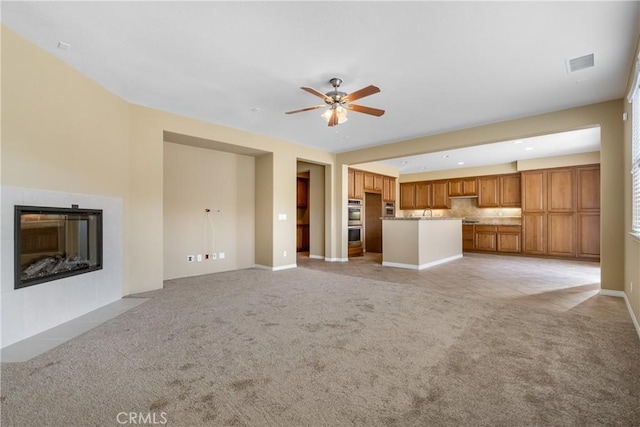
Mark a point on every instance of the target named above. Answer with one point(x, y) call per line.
point(492, 238)
point(509, 238)
point(486, 238)
point(534, 239)
point(467, 237)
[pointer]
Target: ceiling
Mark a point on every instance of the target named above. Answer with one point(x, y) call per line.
point(559, 144)
point(441, 66)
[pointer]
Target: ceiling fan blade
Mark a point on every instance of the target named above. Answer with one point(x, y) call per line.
point(305, 109)
point(333, 120)
point(365, 91)
point(365, 110)
point(312, 91)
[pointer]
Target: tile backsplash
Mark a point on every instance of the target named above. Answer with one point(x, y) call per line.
point(467, 208)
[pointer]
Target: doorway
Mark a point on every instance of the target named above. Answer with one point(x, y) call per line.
point(373, 222)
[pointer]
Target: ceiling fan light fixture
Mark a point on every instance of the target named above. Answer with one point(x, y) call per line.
point(339, 110)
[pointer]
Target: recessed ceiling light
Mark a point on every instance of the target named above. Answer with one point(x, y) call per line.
point(421, 168)
point(518, 141)
point(529, 148)
point(64, 46)
point(460, 163)
point(445, 156)
point(404, 162)
point(255, 109)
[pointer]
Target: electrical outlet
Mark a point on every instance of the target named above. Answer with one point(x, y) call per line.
point(214, 256)
point(284, 254)
point(199, 257)
point(221, 255)
point(190, 258)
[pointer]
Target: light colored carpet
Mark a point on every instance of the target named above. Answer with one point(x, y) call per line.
point(305, 348)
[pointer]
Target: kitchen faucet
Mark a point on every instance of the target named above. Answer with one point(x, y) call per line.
point(430, 212)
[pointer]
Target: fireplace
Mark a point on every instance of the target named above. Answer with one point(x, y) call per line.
point(52, 243)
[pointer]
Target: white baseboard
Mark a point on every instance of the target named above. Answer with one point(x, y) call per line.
point(281, 267)
point(622, 295)
point(337, 259)
point(421, 266)
point(316, 256)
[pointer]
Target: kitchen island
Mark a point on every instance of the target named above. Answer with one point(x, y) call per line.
point(420, 242)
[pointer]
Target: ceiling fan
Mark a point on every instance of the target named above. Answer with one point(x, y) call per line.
point(339, 102)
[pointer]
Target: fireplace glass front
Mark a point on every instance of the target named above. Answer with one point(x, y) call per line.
point(51, 243)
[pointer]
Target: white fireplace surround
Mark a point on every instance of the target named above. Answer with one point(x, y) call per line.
point(34, 309)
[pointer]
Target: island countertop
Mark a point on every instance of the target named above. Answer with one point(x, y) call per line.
point(420, 218)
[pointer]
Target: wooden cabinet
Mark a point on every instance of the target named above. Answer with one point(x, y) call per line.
point(350, 184)
point(485, 238)
point(492, 238)
point(416, 195)
point(302, 238)
point(488, 192)
point(388, 189)
point(561, 190)
point(372, 182)
point(440, 195)
point(463, 187)
point(588, 235)
point(368, 181)
point(588, 178)
point(408, 195)
point(561, 212)
point(561, 228)
point(588, 208)
point(467, 237)
point(424, 195)
point(534, 234)
point(499, 191)
point(302, 192)
point(509, 238)
point(510, 190)
point(534, 187)
point(358, 184)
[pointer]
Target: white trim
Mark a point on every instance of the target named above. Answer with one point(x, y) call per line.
point(421, 266)
point(316, 256)
point(336, 259)
point(634, 85)
point(281, 267)
point(621, 294)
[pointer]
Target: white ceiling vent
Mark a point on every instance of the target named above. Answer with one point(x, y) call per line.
point(580, 63)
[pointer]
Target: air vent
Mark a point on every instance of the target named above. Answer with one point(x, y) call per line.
point(580, 63)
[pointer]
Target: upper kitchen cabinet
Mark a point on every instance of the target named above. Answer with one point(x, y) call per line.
point(463, 187)
point(440, 195)
point(488, 192)
point(408, 195)
point(358, 184)
point(416, 195)
point(510, 190)
point(388, 189)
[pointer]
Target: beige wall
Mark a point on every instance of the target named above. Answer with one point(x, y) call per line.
point(608, 115)
point(196, 179)
point(631, 243)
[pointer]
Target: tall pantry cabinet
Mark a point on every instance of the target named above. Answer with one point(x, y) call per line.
point(561, 212)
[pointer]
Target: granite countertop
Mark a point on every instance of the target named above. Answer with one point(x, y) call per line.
point(493, 221)
point(419, 218)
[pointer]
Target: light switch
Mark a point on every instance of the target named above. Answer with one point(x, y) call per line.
point(282, 217)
